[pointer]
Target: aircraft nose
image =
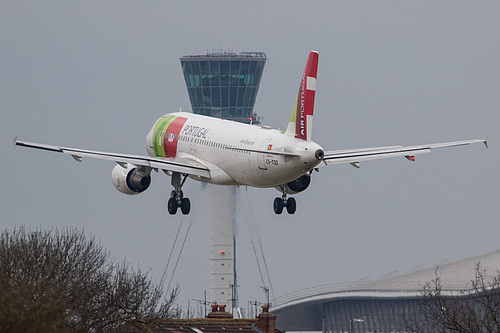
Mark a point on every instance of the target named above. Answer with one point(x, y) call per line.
point(319, 154)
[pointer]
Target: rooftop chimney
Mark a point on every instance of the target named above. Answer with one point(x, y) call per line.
point(219, 311)
point(266, 321)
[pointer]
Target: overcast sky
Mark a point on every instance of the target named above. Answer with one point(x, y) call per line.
point(96, 75)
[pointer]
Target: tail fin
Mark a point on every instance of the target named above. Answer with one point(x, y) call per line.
point(300, 125)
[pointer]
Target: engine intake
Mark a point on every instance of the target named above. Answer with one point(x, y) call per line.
point(130, 180)
point(298, 185)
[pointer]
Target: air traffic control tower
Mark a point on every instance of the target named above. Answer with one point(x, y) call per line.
point(224, 85)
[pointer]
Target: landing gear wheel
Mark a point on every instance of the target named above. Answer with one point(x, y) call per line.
point(278, 205)
point(185, 206)
point(291, 206)
point(172, 206)
point(176, 196)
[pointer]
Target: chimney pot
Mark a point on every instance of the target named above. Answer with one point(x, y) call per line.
point(219, 311)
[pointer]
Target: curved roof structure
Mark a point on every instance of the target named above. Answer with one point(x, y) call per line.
point(305, 307)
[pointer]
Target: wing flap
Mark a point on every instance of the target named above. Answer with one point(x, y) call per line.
point(182, 165)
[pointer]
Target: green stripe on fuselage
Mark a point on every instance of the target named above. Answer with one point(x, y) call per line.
point(159, 137)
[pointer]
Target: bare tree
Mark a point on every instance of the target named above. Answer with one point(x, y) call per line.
point(60, 281)
point(476, 308)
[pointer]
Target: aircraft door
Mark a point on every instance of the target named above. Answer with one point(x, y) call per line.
point(261, 157)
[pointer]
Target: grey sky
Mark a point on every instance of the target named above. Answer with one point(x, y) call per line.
point(97, 75)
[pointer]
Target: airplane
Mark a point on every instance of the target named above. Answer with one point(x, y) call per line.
point(224, 152)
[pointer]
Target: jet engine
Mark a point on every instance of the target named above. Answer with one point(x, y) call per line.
point(296, 186)
point(130, 180)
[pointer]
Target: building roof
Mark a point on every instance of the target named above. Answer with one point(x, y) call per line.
point(306, 306)
point(220, 55)
point(455, 276)
point(205, 325)
point(217, 321)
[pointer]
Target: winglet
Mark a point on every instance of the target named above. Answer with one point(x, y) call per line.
point(486, 141)
point(15, 141)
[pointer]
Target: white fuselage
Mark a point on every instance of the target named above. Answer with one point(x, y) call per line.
point(234, 152)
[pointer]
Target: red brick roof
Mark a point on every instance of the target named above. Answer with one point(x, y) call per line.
point(205, 325)
point(217, 321)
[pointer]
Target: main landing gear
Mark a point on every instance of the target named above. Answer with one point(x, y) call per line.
point(280, 203)
point(176, 196)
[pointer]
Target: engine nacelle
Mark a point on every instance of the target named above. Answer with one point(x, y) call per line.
point(298, 185)
point(130, 180)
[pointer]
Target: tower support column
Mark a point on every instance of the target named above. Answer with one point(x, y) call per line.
point(222, 246)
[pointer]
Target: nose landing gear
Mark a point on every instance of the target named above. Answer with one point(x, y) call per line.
point(176, 196)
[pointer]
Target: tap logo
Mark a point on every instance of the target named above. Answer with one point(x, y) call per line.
point(166, 135)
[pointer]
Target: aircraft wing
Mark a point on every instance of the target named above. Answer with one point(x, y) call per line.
point(354, 156)
point(182, 165)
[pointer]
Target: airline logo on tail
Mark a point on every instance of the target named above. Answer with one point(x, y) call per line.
point(300, 125)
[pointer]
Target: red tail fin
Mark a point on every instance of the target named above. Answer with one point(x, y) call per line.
point(300, 125)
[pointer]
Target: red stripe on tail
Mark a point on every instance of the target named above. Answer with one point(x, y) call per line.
point(305, 97)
